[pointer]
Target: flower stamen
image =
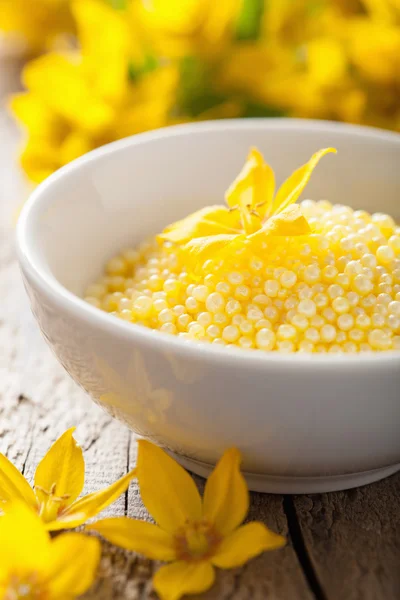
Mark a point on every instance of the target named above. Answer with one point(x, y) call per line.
point(196, 541)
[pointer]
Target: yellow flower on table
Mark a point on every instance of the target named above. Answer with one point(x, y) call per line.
point(39, 23)
point(59, 480)
point(253, 214)
point(76, 102)
point(193, 534)
point(34, 566)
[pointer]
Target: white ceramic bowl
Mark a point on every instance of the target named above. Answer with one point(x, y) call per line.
point(303, 423)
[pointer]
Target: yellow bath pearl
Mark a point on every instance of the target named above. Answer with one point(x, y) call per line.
point(116, 266)
point(200, 293)
point(169, 328)
point(307, 308)
point(215, 302)
point(341, 305)
point(328, 333)
point(142, 306)
point(286, 332)
point(230, 333)
point(191, 305)
point(265, 339)
point(385, 254)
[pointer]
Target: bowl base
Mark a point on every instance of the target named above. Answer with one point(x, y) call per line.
point(275, 484)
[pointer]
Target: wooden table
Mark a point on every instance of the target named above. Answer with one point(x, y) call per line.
point(344, 545)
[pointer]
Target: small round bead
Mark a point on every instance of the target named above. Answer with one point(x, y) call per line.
point(385, 254)
point(285, 346)
point(379, 340)
point(328, 333)
point(196, 330)
point(205, 319)
point(183, 320)
point(215, 302)
point(200, 293)
point(168, 328)
point(191, 304)
point(341, 305)
point(286, 332)
point(223, 288)
point(312, 335)
point(271, 288)
point(142, 306)
point(307, 308)
point(159, 305)
point(265, 339)
point(394, 308)
point(288, 279)
point(300, 322)
point(166, 316)
point(246, 342)
point(345, 322)
point(235, 278)
point(362, 285)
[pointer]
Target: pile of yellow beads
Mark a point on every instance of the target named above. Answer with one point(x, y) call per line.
point(334, 290)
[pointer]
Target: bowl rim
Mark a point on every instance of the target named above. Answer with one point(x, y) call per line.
point(77, 306)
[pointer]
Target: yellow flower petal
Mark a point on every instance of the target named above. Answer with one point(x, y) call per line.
point(174, 581)
point(137, 536)
point(201, 249)
point(168, 491)
point(23, 539)
point(289, 222)
point(34, 115)
point(245, 543)
point(13, 485)
point(92, 504)
point(73, 564)
point(62, 470)
point(40, 158)
point(59, 83)
point(254, 186)
point(291, 189)
point(210, 220)
point(226, 497)
point(106, 46)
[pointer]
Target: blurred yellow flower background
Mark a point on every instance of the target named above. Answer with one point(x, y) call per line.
point(100, 70)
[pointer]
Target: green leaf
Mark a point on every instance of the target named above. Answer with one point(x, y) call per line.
point(149, 64)
point(118, 4)
point(196, 93)
point(252, 109)
point(249, 21)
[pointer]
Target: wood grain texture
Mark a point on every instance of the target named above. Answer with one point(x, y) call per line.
point(38, 401)
point(353, 539)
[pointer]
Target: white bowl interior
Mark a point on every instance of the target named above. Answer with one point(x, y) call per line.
point(133, 188)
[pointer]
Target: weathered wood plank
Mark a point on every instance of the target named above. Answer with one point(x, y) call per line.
point(38, 402)
point(353, 540)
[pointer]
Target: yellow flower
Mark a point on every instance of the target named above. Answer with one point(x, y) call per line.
point(39, 23)
point(186, 27)
point(253, 212)
point(80, 101)
point(58, 482)
point(194, 535)
point(32, 565)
